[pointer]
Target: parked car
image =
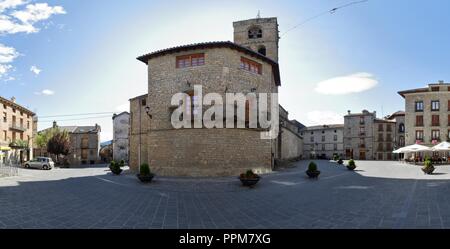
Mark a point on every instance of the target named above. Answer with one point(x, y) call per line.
point(40, 163)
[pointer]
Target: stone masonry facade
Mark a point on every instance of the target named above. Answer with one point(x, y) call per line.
point(224, 68)
point(427, 116)
point(139, 125)
point(323, 141)
point(16, 124)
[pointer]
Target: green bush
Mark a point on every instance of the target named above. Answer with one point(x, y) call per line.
point(312, 166)
point(340, 161)
point(122, 163)
point(144, 169)
point(336, 158)
point(249, 173)
point(428, 167)
point(115, 168)
point(351, 164)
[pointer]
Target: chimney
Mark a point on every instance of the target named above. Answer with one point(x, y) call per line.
point(349, 112)
point(441, 82)
point(54, 124)
point(13, 99)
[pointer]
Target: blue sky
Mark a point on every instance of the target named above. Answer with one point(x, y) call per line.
point(357, 58)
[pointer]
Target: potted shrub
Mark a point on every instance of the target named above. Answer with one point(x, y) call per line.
point(249, 178)
point(340, 161)
point(351, 165)
point(428, 168)
point(336, 158)
point(122, 163)
point(312, 171)
point(145, 175)
point(115, 168)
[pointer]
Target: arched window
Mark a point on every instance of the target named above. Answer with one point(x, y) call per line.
point(254, 32)
point(401, 128)
point(262, 50)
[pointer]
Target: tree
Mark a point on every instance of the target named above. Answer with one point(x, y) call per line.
point(43, 137)
point(59, 144)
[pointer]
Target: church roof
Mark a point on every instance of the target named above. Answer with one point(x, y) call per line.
point(216, 44)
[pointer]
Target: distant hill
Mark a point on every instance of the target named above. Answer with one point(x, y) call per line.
point(106, 143)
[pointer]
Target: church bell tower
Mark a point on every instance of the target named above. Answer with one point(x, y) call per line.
point(259, 34)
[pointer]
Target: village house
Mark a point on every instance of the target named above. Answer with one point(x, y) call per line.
point(84, 144)
point(367, 137)
point(17, 129)
point(323, 141)
point(247, 65)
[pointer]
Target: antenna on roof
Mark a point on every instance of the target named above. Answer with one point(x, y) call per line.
point(259, 14)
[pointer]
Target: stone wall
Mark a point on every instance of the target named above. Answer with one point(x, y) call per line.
point(204, 151)
point(208, 152)
point(121, 131)
point(139, 123)
point(269, 39)
point(410, 118)
point(291, 144)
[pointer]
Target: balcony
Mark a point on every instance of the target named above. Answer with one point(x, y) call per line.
point(17, 127)
point(435, 140)
point(362, 146)
point(362, 134)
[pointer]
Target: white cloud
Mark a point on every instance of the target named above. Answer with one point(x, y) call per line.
point(10, 4)
point(45, 92)
point(353, 83)
point(37, 12)
point(7, 54)
point(35, 70)
point(124, 107)
point(17, 16)
point(324, 117)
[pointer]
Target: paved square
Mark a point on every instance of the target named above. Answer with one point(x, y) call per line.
point(376, 195)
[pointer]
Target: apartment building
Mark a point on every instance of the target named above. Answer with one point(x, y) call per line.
point(427, 114)
point(16, 132)
point(323, 141)
point(367, 137)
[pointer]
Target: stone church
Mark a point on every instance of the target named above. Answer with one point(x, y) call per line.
point(249, 64)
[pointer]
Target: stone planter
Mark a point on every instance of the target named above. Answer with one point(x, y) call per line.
point(313, 174)
point(116, 171)
point(428, 170)
point(351, 167)
point(145, 178)
point(249, 182)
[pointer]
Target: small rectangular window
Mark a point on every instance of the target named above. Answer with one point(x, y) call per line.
point(419, 106)
point(251, 66)
point(435, 105)
point(419, 135)
point(435, 120)
point(191, 60)
point(419, 120)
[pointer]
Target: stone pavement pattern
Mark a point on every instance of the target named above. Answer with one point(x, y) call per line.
point(377, 195)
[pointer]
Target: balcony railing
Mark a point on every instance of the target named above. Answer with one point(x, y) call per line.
point(435, 140)
point(362, 146)
point(17, 127)
point(362, 133)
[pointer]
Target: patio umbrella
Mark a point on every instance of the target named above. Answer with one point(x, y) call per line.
point(412, 148)
point(444, 146)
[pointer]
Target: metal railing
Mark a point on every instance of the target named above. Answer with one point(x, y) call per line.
point(9, 169)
